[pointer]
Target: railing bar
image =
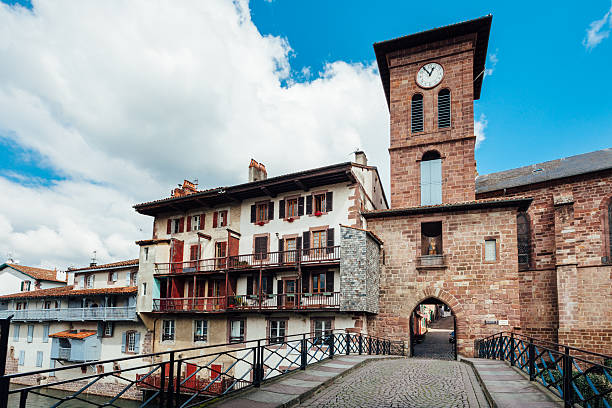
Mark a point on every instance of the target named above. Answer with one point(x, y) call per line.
point(78, 392)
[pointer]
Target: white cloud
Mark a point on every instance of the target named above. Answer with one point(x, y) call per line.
point(493, 62)
point(479, 129)
point(125, 99)
point(598, 30)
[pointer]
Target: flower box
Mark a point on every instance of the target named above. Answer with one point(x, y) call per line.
point(290, 219)
point(318, 213)
point(261, 223)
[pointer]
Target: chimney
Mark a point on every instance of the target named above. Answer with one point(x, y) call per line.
point(257, 171)
point(360, 158)
point(93, 260)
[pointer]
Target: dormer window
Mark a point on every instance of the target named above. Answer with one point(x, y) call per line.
point(25, 286)
point(444, 109)
point(417, 113)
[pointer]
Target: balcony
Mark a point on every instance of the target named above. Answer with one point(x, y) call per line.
point(279, 259)
point(110, 314)
point(431, 262)
point(264, 302)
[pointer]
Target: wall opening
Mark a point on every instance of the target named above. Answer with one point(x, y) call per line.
point(433, 331)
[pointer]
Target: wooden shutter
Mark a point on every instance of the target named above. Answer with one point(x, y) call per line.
point(270, 210)
point(182, 224)
point(426, 183)
point(281, 248)
point(249, 288)
point(215, 219)
point(444, 108)
point(279, 286)
point(329, 281)
point(268, 285)
point(169, 227)
point(123, 341)
point(100, 329)
point(329, 201)
point(305, 282)
point(193, 253)
point(300, 206)
point(330, 241)
point(253, 213)
point(202, 221)
point(306, 242)
point(309, 204)
point(417, 113)
point(188, 223)
point(136, 342)
point(281, 209)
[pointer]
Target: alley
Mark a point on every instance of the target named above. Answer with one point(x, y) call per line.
point(436, 345)
point(406, 382)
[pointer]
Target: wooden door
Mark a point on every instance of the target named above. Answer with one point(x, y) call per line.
point(290, 290)
point(177, 256)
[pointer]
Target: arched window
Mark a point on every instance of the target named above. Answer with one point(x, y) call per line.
point(444, 108)
point(431, 178)
point(417, 113)
point(523, 234)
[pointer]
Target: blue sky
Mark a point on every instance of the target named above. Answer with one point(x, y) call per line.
point(103, 106)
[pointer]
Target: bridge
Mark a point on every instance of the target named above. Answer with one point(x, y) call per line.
point(334, 369)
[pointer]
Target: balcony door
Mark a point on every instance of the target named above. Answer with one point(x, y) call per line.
point(289, 298)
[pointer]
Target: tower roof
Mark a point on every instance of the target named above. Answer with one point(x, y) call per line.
point(480, 26)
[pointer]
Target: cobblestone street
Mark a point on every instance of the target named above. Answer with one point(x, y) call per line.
point(435, 344)
point(406, 382)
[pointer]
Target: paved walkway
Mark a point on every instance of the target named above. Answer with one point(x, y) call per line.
point(405, 382)
point(436, 345)
point(509, 389)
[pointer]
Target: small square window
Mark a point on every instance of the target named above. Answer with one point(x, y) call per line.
point(108, 329)
point(176, 225)
point(292, 208)
point(490, 254)
point(261, 214)
point(277, 331)
point(168, 330)
point(195, 222)
point(200, 330)
point(131, 341)
point(319, 203)
point(146, 254)
point(236, 331)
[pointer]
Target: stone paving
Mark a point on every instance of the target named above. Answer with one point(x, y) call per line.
point(405, 382)
point(435, 344)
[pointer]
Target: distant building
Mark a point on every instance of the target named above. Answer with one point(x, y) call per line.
point(20, 278)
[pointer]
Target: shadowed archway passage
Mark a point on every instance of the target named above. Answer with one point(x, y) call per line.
point(432, 328)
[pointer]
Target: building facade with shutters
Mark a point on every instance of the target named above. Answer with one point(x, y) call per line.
point(274, 267)
point(20, 278)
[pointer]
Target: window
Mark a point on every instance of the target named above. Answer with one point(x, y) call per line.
point(323, 331)
point(47, 305)
point(236, 331)
point(30, 333)
point(431, 178)
point(25, 286)
point(319, 203)
point(144, 289)
point(220, 219)
point(277, 331)
point(290, 247)
point(195, 222)
point(39, 358)
point(21, 357)
point(318, 283)
point(146, 254)
point(108, 329)
point(431, 238)
point(417, 113)
point(490, 250)
point(16, 329)
point(444, 108)
point(130, 339)
point(261, 248)
point(168, 330)
point(21, 306)
point(133, 278)
point(522, 239)
point(112, 277)
point(90, 281)
point(200, 330)
point(292, 208)
point(319, 240)
point(262, 212)
point(45, 338)
point(176, 225)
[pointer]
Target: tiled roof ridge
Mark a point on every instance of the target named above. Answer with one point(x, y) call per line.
point(67, 291)
point(128, 262)
point(36, 273)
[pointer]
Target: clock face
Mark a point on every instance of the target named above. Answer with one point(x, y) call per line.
point(430, 75)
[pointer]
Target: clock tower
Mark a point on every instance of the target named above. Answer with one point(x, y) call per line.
point(431, 80)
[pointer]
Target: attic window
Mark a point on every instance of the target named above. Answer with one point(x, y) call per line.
point(417, 113)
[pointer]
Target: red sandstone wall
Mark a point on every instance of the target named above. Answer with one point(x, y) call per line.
point(476, 291)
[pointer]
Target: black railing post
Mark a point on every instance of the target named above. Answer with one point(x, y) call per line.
point(501, 347)
point(162, 384)
point(567, 378)
point(23, 398)
point(5, 325)
point(169, 399)
point(360, 344)
point(177, 394)
point(512, 362)
point(303, 353)
point(256, 362)
point(403, 349)
point(331, 346)
point(261, 363)
point(369, 345)
point(377, 346)
point(531, 353)
point(348, 343)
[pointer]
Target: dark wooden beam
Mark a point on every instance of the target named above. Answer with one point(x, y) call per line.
point(267, 192)
point(301, 185)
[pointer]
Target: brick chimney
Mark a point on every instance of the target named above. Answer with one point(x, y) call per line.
point(187, 188)
point(257, 171)
point(361, 158)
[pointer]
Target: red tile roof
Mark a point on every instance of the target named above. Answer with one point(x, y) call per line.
point(130, 262)
point(36, 273)
point(67, 291)
point(70, 334)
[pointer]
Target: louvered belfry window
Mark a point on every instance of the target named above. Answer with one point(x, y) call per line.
point(417, 113)
point(444, 108)
point(522, 238)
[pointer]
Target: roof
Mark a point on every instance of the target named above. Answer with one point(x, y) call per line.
point(550, 170)
point(302, 180)
point(73, 334)
point(481, 26)
point(114, 265)
point(68, 291)
point(35, 273)
point(521, 203)
point(372, 235)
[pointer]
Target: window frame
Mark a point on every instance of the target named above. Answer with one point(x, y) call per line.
point(450, 109)
point(26, 285)
point(323, 202)
point(105, 331)
point(325, 335)
point(484, 243)
point(130, 340)
point(168, 333)
point(240, 339)
point(200, 338)
point(195, 222)
point(176, 226)
point(278, 339)
point(261, 212)
point(312, 283)
point(420, 97)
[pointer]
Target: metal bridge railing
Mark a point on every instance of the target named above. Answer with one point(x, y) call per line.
point(575, 375)
point(188, 377)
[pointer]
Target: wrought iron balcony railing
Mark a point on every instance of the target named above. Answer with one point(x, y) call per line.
point(283, 301)
point(253, 261)
point(71, 314)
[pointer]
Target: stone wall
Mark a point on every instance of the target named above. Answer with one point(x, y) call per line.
point(359, 271)
point(475, 290)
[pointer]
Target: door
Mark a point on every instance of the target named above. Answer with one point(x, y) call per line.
point(290, 291)
point(220, 254)
point(177, 256)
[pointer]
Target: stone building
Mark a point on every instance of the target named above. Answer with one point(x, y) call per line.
point(526, 249)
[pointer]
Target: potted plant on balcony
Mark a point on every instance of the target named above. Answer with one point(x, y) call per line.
point(261, 223)
point(318, 213)
point(290, 219)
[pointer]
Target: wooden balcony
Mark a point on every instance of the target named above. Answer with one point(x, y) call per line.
point(263, 302)
point(278, 259)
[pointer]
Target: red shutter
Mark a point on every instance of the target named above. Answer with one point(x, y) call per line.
point(193, 253)
point(202, 221)
point(169, 227)
point(182, 224)
point(188, 223)
point(215, 217)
